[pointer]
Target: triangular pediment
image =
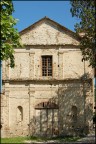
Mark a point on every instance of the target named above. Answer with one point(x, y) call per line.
point(48, 32)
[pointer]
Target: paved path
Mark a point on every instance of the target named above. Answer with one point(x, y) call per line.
point(88, 139)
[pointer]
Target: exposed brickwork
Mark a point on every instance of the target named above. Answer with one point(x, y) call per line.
point(25, 87)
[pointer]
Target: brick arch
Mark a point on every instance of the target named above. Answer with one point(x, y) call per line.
point(46, 105)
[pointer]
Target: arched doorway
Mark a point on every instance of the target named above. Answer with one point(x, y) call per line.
point(47, 119)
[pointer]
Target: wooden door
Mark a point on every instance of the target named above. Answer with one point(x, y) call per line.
point(47, 122)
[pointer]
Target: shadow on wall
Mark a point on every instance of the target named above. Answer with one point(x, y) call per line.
point(75, 115)
point(72, 114)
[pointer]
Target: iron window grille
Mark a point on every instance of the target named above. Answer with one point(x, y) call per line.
point(46, 65)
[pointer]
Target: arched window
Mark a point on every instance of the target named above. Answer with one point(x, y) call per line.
point(0, 126)
point(74, 113)
point(19, 114)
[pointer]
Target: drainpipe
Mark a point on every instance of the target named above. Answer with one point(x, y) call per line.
point(0, 76)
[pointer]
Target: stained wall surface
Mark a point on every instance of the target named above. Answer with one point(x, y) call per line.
point(32, 104)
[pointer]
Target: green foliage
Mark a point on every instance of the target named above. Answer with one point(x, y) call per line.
point(9, 35)
point(13, 140)
point(85, 11)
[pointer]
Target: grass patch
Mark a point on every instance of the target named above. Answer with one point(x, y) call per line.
point(38, 139)
point(66, 139)
point(59, 139)
point(13, 140)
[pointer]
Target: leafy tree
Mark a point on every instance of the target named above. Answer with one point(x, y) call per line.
point(9, 35)
point(85, 11)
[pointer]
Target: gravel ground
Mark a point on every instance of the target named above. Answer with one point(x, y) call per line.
point(90, 139)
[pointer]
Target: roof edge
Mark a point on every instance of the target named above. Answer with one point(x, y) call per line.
point(56, 23)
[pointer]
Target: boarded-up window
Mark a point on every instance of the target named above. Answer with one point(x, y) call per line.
point(46, 119)
point(46, 65)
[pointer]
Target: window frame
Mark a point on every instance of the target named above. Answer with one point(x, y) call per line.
point(47, 56)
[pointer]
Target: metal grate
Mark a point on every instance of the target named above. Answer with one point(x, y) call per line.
point(46, 65)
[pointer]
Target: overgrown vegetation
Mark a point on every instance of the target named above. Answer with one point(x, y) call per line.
point(84, 10)
point(9, 35)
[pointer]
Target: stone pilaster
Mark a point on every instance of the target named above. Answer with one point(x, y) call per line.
point(31, 110)
point(6, 130)
point(60, 65)
point(31, 72)
point(7, 69)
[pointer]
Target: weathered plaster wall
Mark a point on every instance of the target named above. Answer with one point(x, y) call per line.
point(75, 94)
point(67, 64)
point(65, 95)
point(21, 69)
point(5, 111)
point(73, 67)
point(20, 97)
point(46, 33)
point(24, 87)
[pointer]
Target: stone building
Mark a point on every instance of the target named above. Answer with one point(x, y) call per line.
point(49, 92)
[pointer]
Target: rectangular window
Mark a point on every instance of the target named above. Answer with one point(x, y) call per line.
point(46, 65)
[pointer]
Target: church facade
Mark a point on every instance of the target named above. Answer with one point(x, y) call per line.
point(50, 90)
